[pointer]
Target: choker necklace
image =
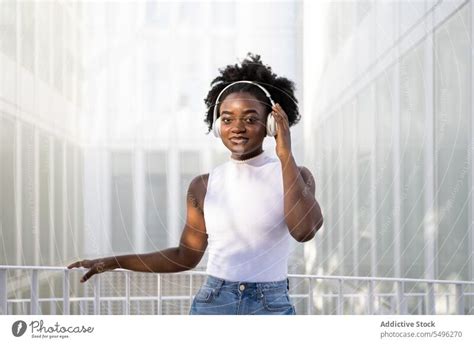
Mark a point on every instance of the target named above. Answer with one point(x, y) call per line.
point(246, 160)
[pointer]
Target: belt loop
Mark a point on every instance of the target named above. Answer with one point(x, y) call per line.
point(219, 284)
point(288, 284)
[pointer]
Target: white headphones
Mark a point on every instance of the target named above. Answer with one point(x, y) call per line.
point(271, 123)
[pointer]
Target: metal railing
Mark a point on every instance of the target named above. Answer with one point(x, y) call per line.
point(312, 294)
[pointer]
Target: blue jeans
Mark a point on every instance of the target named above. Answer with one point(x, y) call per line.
point(219, 297)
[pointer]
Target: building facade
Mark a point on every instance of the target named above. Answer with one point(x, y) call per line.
point(391, 138)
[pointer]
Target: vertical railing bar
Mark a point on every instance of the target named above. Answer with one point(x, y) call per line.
point(66, 305)
point(34, 292)
point(159, 295)
point(3, 292)
point(52, 307)
point(460, 306)
point(371, 297)
point(127, 293)
point(190, 289)
point(340, 297)
point(401, 297)
point(322, 294)
point(310, 293)
point(431, 299)
point(97, 295)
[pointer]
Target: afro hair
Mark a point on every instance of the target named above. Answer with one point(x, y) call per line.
point(252, 68)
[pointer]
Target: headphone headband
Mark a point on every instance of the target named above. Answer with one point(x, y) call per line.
point(214, 117)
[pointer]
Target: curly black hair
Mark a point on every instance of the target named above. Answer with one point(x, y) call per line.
point(252, 68)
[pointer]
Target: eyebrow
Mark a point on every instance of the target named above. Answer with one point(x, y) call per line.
point(246, 111)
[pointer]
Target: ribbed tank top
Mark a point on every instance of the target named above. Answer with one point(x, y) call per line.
point(248, 239)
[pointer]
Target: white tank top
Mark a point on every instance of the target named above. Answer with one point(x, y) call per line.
point(248, 239)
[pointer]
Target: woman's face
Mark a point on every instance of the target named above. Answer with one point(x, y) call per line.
point(243, 124)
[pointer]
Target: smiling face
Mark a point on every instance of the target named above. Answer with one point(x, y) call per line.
point(243, 124)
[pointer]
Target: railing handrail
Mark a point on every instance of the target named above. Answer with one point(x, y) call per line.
point(399, 295)
point(198, 272)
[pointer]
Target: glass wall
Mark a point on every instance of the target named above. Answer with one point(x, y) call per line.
point(384, 182)
point(8, 19)
point(156, 202)
point(58, 202)
point(45, 224)
point(411, 112)
point(122, 202)
point(453, 116)
point(7, 191)
point(365, 133)
point(349, 185)
point(325, 231)
point(412, 145)
point(71, 205)
point(189, 167)
point(336, 232)
point(27, 21)
point(28, 205)
point(44, 41)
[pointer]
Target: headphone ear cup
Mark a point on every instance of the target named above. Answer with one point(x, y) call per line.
point(216, 127)
point(271, 125)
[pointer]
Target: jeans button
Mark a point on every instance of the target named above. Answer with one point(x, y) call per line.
point(241, 287)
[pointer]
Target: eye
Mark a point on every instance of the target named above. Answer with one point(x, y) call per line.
point(226, 120)
point(251, 120)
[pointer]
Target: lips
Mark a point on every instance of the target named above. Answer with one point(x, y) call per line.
point(238, 140)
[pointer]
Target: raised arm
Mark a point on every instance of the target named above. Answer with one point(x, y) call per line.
point(187, 255)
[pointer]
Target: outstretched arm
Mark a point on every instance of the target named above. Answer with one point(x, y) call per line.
point(186, 256)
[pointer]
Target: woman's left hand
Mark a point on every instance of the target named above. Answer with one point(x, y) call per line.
point(283, 137)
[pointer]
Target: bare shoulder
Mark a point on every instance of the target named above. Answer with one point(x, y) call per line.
point(197, 191)
point(199, 184)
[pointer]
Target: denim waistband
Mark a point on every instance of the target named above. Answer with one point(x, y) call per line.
point(216, 282)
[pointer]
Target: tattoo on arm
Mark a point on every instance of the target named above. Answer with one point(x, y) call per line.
point(194, 202)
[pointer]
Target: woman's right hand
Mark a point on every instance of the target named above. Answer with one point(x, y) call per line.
point(95, 266)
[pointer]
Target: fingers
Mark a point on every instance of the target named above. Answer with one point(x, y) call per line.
point(96, 267)
point(280, 115)
point(88, 275)
point(78, 264)
point(82, 264)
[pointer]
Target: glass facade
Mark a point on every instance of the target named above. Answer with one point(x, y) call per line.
point(156, 204)
point(121, 195)
point(453, 148)
point(384, 171)
point(406, 173)
point(7, 191)
point(45, 187)
point(189, 163)
point(413, 142)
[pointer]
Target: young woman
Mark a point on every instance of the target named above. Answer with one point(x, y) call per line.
point(246, 210)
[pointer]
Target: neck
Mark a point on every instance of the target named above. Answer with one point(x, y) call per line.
point(246, 156)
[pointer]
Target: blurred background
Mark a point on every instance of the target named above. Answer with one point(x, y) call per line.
point(101, 131)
